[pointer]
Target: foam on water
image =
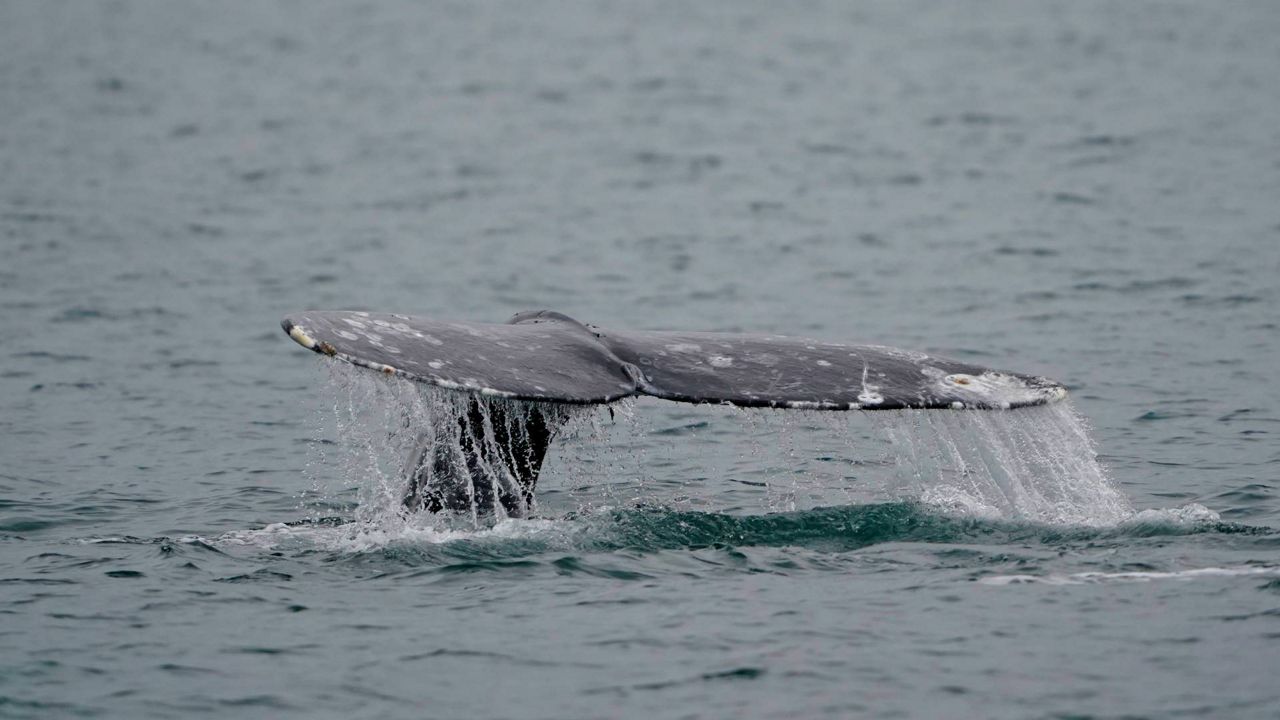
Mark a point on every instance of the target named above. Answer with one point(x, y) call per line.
point(359, 537)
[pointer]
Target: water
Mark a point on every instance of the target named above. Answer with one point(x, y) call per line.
point(1079, 190)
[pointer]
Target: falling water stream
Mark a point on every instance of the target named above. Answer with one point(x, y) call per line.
point(1033, 464)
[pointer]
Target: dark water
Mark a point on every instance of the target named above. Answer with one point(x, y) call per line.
point(1082, 190)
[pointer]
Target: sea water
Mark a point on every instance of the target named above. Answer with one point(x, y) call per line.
point(1080, 190)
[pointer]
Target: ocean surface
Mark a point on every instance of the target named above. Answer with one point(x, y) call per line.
point(197, 517)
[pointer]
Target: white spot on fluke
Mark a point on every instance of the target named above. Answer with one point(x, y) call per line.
point(300, 336)
point(994, 389)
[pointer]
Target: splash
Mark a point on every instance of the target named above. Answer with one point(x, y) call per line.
point(1035, 464)
point(389, 428)
point(1031, 464)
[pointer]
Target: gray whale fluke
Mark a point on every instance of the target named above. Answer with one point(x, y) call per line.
point(551, 359)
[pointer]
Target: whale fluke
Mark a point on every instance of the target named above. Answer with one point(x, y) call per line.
point(550, 360)
point(548, 357)
point(553, 359)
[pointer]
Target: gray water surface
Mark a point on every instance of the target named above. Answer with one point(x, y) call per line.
point(1082, 190)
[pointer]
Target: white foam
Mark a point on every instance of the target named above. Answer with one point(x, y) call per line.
point(953, 501)
point(358, 537)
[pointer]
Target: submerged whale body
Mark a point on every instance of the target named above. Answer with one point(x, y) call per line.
point(521, 377)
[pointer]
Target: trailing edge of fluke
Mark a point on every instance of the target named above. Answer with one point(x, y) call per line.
point(549, 357)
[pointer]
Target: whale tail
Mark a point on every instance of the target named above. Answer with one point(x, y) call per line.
point(547, 360)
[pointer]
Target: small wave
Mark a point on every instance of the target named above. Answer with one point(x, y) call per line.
point(952, 501)
point(360, 537)
point(1191, 513)
point(1090, 578)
